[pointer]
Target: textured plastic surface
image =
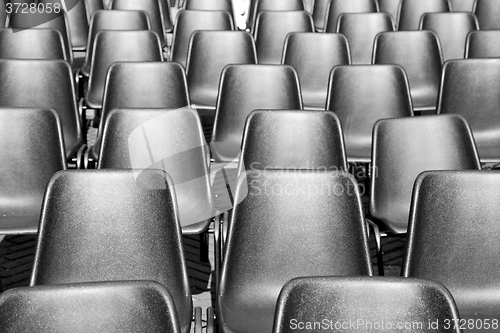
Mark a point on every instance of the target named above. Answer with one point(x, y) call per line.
point(361, 95)
point(487, 12)
point(43, 84)
point(419, 53)
point(462, 5)
point(171, 140)
point(274, 5)
point(412, 10)
point(31, 44)
point(405, 147)
point(188, 21)
point(453, 238)
point(363, 304)
point(112, 307)
point(113, 46)
point(226, 5)
point(209, 52)
point(142, 85)
point(337, 7)
point(32, 151)
point(271, 29)
point(469, 88)
point(113, 20)
point(390, 7)
point(287, 224)
point(483, 44)
point(293, 139)
point(244, 88)
point(360, 30)
point(452, 30)
point(313, 56)
point(106, 225)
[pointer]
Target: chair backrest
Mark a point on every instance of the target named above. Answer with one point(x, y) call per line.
point(275, 5)
point(113, 225)
point(93, 5)
point(26, 20)
point(313, 56)
point(483, 44)
point(209, 52)
point(188, 21)
point(284, 219)
point(43, 84)
point(452, 30)
point(243, 90)
point(377, 303)
point(487, 12)
point(292, 139)
point(337, 7)
point(31, 44)
point(412, 10)
point(114, 307)
point(154, 10)
point(403, 148)
point(469, 88)
point(175, 143)
point(462, 5)
point(3, 17)
point(271, 30)
point(390, 7)
point(452, 237)
point(226, 5)
point(113, 46)
point(142, 85)
point(113, 20)
point(360, 30)
point(419, 53)
point(360, 96)
point(32, 151)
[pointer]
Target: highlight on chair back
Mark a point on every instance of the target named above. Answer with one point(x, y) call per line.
point(483, 44)
point(313, 56)
point(411, 11)
point(403, 148)
point(32, 151)
point(452, 240)
point(463, 93)
point(32, 44)
point(452, 30)
point(271, 30)
point(287, 224)
point(360, 96)
point(113, 225)
point(113, 307)
point(365, 304)
point(419, 53)
point(360, 30)
point(242, 90)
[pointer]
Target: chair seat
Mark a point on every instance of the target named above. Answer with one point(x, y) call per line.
point(395, 223)
point(250, 317)
point(225, 151)
point(424, 99)
point(204, 97)
point(19, 225)
point(314, 99)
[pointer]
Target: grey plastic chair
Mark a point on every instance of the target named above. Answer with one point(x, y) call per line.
point(335, 8)
point(363, 94)
point(32, 44)
point(391, 7)
point(462, 5)
point(483, 44)
point(487, 12)
point(274, 5)
point(410, 12)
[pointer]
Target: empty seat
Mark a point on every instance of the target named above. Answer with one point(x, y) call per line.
point(337, 7)
point(390, 7)
point(313, 56)
point(469, 88)
point(487, 13)
point(175, 143)
point(365, 304)
point(411, 11)
point(274, 5)
point(188, 21)
point(226, 5)
point(32, 44)
point(113, 225)
point(242, 90)
point(209, 52)
point(360, 30)
point(271, 30)
point(483, 44)
point(113, 46)
point(452, 30)
point(360, 96)
point(292, 139)
point(419, 53)
point(32, 151)
point(287, 224)
point(462, 5)
point(44, 84)
point(112, 20)
point(452, 240)
point(114, 307)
